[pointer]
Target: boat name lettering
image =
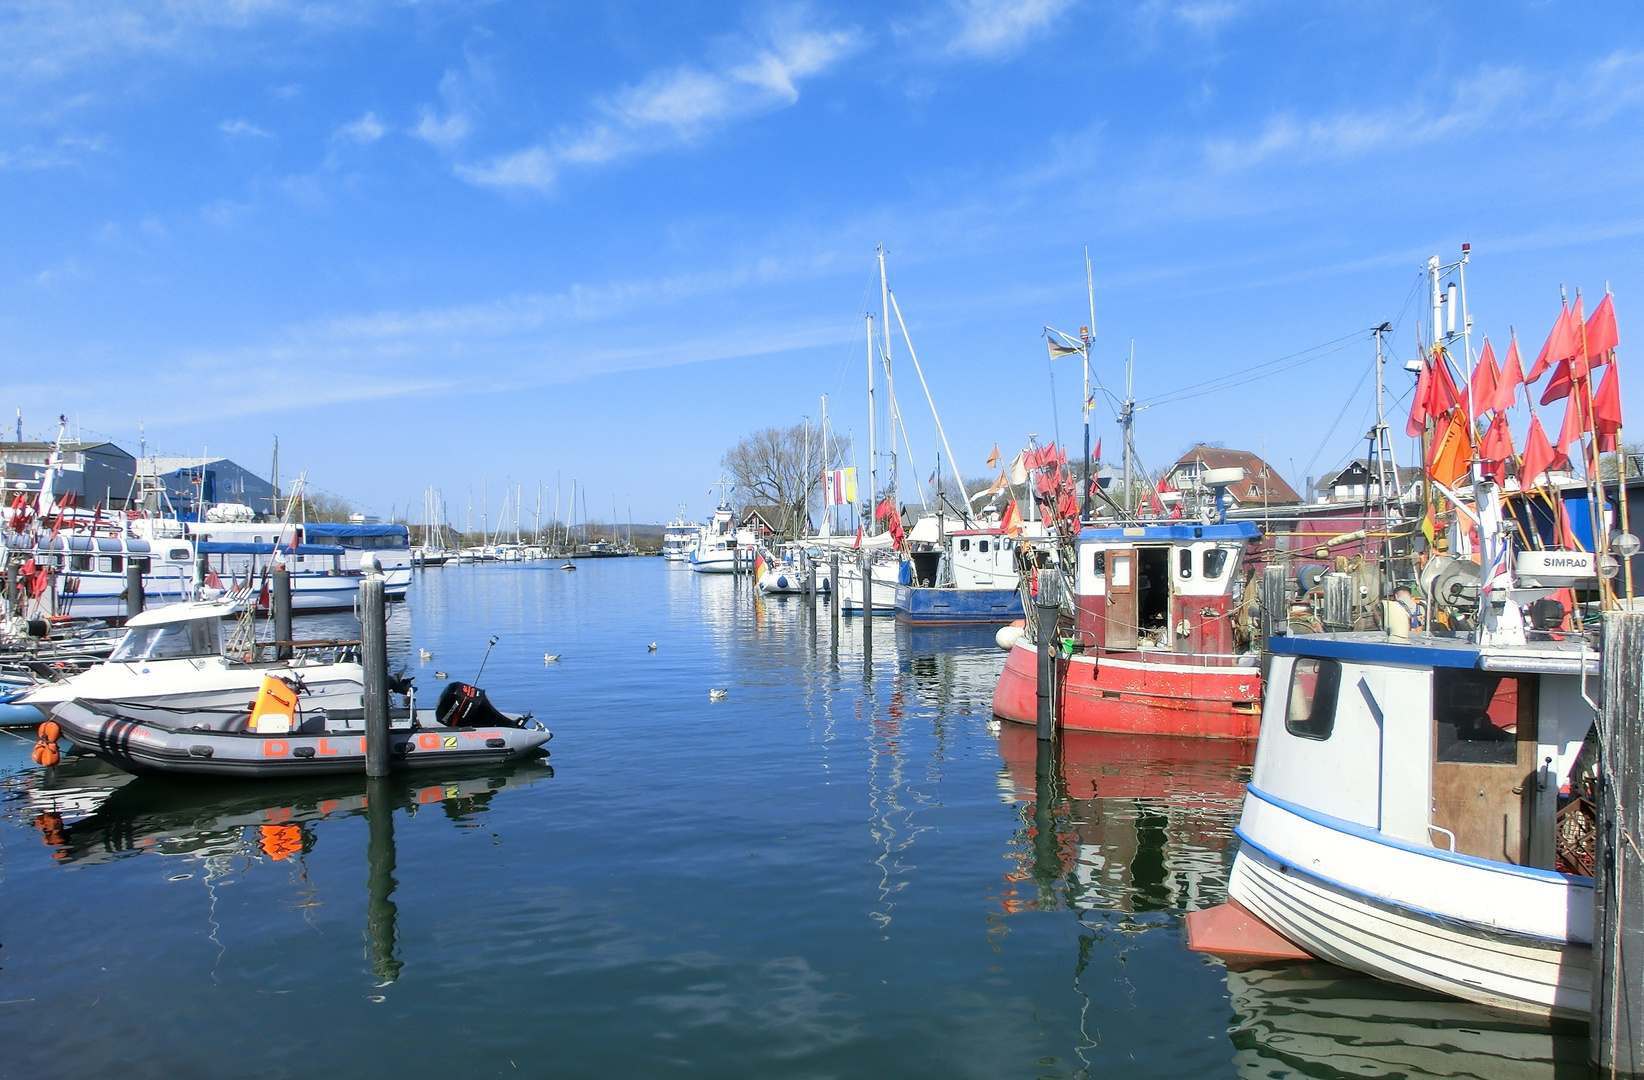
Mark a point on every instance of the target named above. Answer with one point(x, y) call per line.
point(325, 747)
point(428, 742)
point(276, 748)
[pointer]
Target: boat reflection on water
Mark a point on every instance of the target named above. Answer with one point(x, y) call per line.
point(90, 813)
point(1318, 1020)
point(1121, 822)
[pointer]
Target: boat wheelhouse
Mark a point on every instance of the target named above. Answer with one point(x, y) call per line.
point(680, 538)
point(1154, 647)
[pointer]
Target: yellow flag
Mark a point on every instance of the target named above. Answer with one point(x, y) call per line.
point(850, 486)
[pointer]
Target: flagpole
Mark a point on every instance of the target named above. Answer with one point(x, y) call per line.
point(1595, 487)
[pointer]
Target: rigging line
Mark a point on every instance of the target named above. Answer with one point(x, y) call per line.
point(1335, 424)
point(1238, 378)
point(1360, 335)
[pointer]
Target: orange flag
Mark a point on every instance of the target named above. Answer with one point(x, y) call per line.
point(1418, 405)
point(1538, 454)
point(1452, 449)
point(1607, 411)
point(1601, 332)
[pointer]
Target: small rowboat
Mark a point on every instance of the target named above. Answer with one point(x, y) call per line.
point(465, 729)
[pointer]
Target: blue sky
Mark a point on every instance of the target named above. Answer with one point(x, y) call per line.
point(425, 241)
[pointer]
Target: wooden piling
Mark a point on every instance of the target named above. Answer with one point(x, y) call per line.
point(867, 592)
point(833, 591)
point(1617, 1028)
point(279, 608)
point(374, 659)
point(1047, 609)
point(134, 587)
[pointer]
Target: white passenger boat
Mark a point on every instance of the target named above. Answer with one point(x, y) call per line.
point(323, 557)
point(1404, 814)
point(717, 549)
point(680, 538)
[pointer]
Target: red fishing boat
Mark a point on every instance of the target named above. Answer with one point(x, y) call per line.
point(1154, 645)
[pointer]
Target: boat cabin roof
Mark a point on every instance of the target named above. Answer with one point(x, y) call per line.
point(1569, 657)
point(184, 612)
point(1173, 533)
point(227, 547)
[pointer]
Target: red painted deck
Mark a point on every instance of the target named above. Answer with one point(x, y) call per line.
point(1122, 693)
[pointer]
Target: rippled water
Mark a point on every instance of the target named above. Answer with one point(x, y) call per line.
point(846, 868)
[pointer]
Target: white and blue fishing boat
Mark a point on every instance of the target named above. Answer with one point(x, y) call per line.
point(1415, 810)
point(968, 576)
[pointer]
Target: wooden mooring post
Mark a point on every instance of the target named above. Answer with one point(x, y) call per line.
point(833, 592)
point(867, 593)
point(1617, 1028)
point(374, 659)
point(279, 609)
point(1047, 610)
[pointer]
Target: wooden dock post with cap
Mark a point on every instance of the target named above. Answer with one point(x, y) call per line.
point(374, 659)
point(1617, 1022)
point(279, 608)
point(1047, 610)
point(867, 592)
point(833, 591)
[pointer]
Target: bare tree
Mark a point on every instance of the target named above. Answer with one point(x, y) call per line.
point(776, 467)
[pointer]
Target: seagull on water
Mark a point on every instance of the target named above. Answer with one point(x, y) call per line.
point(550, 658)
point(425, 654)
point(717, 695)
point(439, 674)
point(651, 647)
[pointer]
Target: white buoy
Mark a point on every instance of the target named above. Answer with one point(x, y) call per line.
point(1008, 636)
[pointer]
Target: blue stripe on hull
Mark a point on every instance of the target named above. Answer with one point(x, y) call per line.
point(928, 606)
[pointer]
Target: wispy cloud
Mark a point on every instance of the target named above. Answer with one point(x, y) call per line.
point(367, 129)
point(1474, 103)
point(996, 28)
point(678, 106)
point(243, 128)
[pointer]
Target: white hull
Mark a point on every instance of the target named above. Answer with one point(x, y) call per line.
point(886, 576)
point(1492, 933)
point(713, 563)
point(203, 684)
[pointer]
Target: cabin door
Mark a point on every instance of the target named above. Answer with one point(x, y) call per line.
point(1484, 762)
point(1121, 598)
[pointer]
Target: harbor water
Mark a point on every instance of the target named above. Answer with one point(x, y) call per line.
point(846, 867)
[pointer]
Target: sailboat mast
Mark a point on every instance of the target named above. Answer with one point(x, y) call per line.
point(873, 462)
point(1089, 336)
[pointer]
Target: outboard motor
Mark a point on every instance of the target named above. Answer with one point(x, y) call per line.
point(465, 705)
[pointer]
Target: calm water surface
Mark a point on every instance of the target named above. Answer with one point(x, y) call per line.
point(846, 868)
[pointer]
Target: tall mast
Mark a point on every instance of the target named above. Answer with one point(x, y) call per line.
point(884, 315)
point(1127, 420)
point(276, 499)
point(1089, 335)
point(827, 507)
point(873, 462)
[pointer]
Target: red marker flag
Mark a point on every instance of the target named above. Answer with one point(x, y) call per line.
point(1512, 376)
point(1538, 454)
point(1486, 381)
point(1607, 411)
point(1601, 332)
point(1562, 344)
point(1418, 404)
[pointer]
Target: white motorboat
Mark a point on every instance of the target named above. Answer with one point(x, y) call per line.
point(887, 574)
point(175, 658)
point(717, 549)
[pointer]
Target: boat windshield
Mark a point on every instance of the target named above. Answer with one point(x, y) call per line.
point(173, 641)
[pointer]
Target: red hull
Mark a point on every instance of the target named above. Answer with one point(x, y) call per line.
point(1124, 694)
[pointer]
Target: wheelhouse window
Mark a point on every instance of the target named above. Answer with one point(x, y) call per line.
point(174, 641)
point(964, 543)
point(1476, 716)
point(1310, 712)
point(981, 545)
point(1098, 564)
point(1184, 563)
point(1215, 561)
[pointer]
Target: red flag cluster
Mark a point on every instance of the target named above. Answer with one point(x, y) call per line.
point(1575, 346)
point(886, 512)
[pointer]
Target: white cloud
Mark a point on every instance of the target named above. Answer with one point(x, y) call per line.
point(367, 129)
point(243, 127)
point(993, 28)
point(1475, 103)
point(444, 133)
point(530, 168)
point(677, 106)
